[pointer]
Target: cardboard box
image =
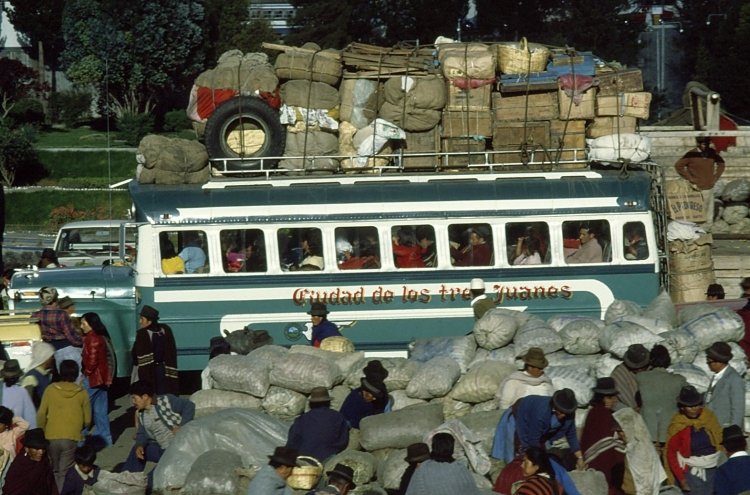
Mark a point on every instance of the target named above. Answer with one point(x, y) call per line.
point(586, 109)
point(605, 126)
point(465, 145)
point(469, 99)
point(534, 106)
point(515, 133)
point(459, 124)
point(622, 81)
point(421, 142)
point(624, 105)
point(684, 202)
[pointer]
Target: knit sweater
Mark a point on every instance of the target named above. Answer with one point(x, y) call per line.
point(442, 478)
point(64, 411)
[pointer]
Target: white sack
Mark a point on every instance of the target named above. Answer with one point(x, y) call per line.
point(435, 378)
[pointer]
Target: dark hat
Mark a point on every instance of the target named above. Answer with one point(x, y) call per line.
point(285, 456)
point(343, 471)
point(715, 290)
point(732, 432)
point(375, 387)
point(417, 452)
point(605, 386)
point(65, 302)
point(719, 351)
point(535, 357)
point(49, 253)
point(318, 309)
point(481, 231)
point(47, 295)
point(565, 401)
point(637, 356)
point(11, 369)
point(689, 396)
point(261, 338)
point(375, 370)
point(319, 394)
point(150, 313)
point(35, 439)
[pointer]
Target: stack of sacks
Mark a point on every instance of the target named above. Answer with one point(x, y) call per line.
point(735, 207)
point(310, 103)
point(163, 160)
point(457, 378)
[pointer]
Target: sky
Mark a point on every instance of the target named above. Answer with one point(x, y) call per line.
point(7, 32)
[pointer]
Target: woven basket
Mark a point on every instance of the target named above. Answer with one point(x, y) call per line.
point(522, 57)
point(305, 477)
point(337, 344)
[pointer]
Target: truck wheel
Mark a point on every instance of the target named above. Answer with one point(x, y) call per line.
point(245, 127)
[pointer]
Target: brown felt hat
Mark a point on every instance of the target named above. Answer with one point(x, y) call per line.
point(319, 394)
point(318, 309)
point(637, 356)
point(719, 351)
point(535, 357)
point(285, 456)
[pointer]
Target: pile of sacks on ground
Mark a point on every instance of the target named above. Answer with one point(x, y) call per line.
point(447, 384)
point(734, 210)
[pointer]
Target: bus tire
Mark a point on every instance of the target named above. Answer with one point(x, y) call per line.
point(244, 127)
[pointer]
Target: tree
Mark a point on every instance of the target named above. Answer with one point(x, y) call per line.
point(39, 21)
point(148, 48)
point(324, 22)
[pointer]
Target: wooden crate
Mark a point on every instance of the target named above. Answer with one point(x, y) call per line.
point(513, 134)
point(458, 124)
point(462, 144)
point(541, 106)
point(624, 105)
point(468, 99)
point(574, 134)
point(604, 126)
point(421, 142)
point(623, 81)
point(585, 110)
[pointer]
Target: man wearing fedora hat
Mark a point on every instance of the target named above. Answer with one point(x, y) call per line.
point(340, 481)
point(636, 359)
point(726, 392)
point(31, 472)
point(733, 477)
point(14, 397)
point(416, 454)
point(271, 479)
point(363, 401)
point(529, 381)
point(321, 432)
point(602, 448)
point(693, 444)
point(321, 327)
point(155, 353)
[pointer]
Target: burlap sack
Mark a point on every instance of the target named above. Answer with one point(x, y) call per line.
point(172, 154)
point(309, 94)
point(245, 74)
point(309, 62)
point(315, 143)
point(467, 60)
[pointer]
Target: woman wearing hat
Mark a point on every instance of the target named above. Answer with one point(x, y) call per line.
point(477, 253)
point(155, 353)
point(14, 397)
point(440, 473)
point(693, 444)
point(529, 381)
point(31, 472)
point(602, 449)
point(416, 454)
point(48, 259)
point(271, 479)
point(367, 400)
point(321, 327)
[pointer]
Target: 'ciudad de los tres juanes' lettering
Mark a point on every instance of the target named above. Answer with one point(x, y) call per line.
point(408, 294)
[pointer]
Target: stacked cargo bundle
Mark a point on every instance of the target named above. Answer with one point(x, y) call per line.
point(310, 103)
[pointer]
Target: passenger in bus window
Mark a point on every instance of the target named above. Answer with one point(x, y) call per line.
point(345, 252)
point(636, 247)
point(590, 251)
point(192, 254)
point(527, 252)
point(253, 260)
point(426, 238)
point(406, 252)
point(171, 264)
point(478, 252)
point(233, 258)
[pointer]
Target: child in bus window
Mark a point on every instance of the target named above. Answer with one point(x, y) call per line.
point(478, 252)
point(636, 247)
point(527, 252)
point(426, 238)
point(406, 252)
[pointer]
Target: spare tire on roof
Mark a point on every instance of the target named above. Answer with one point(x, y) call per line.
point(245, 127)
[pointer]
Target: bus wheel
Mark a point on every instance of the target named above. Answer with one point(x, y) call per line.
point(245, 127)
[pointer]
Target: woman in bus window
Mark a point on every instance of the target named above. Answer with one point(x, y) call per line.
point(170, 263)
point(406, 252)
point(527, 252)
point(477, 253)
point(345, 251)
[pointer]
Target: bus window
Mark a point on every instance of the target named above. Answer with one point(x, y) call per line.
point(636, 246)
point(357, 248)
point(190, 248)
point(587, 242)
point(528, 243)
point(471, 244)
point(301, 249)
point(413, 246)
point(244, 250)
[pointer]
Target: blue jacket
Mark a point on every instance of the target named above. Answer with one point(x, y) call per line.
point(355, 407)
point(533, 427)
point(73, 484)
point(320, 433)
point(733, 477)
point(323, 331)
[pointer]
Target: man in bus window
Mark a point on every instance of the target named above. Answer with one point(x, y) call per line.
point(192, 254)
point(590, 250)
point(636, 247)
point(252, 261)
point(477, 253)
